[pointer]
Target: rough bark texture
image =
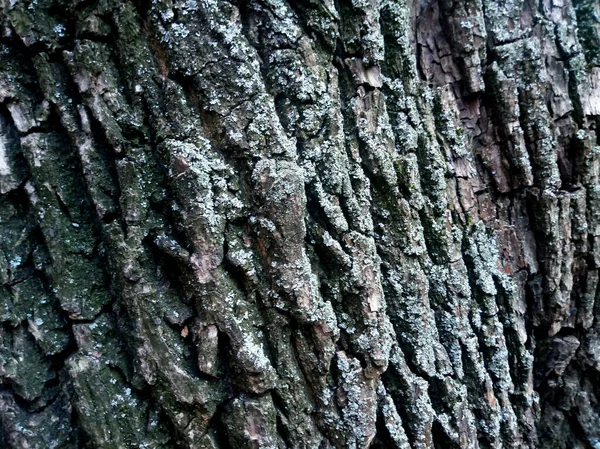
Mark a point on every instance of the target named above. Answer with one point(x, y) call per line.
point(316, 224)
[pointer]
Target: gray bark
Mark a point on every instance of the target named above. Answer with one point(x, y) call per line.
point(308, 224)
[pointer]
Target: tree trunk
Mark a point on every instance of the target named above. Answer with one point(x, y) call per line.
point(308, 224)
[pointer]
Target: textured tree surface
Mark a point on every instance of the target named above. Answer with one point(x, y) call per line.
point(302, 224)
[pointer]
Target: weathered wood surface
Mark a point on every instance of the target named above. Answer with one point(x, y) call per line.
point(308, 224)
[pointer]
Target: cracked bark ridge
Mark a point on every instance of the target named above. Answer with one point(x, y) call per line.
point(316, 224)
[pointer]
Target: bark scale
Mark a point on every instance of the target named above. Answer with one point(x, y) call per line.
point(317, 224)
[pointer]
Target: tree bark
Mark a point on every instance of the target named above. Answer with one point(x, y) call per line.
point(299, 224)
